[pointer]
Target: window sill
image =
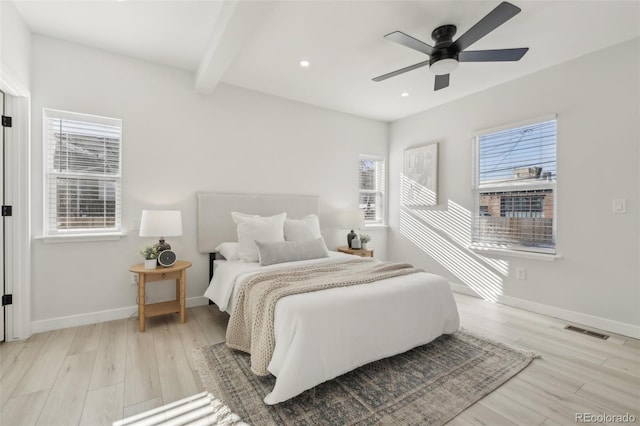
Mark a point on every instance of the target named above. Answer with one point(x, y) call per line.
point(376, 226)
point(76, 238)
point(515, 253)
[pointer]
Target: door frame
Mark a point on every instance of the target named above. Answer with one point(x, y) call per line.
point(2, 239)
point(17, 194)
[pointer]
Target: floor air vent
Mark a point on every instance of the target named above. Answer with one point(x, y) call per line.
point(587, 332)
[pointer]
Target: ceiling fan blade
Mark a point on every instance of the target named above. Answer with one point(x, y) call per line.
point(442, 81)
point(410, 42)
point(498, 16)
point(401, 71)
point(499, 55)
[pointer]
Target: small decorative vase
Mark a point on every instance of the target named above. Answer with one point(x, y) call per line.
point(355, 243)
point(150, 263)
point(363, 246)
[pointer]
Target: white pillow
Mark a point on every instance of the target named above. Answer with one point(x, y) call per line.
point(235, 215)
point(230, 251)
point(271, 253)
point(252, 228)
point(305, 229)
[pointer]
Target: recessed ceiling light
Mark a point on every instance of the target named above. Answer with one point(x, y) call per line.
point(304, 64)
point(404, 94)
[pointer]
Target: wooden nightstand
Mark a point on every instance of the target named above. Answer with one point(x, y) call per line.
point(356, 252)
point(176, 272)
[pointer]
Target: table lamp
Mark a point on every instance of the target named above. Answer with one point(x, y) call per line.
point(351, 219)
point(161, 224)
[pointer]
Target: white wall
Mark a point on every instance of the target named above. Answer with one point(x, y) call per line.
point(15, 47)
point(176, 142)
point(597, 99)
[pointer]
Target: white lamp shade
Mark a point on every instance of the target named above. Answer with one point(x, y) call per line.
point(161, 223)
point(351, 219)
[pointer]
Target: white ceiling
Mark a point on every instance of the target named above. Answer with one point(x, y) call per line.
point(343, 40)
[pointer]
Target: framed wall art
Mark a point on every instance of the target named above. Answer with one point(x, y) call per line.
point(420, 176)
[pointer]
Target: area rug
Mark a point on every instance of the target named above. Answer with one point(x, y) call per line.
point(428, 385)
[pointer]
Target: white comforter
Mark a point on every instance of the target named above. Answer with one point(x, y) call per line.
point(324, 334)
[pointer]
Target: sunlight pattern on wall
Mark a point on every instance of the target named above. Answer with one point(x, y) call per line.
point(455, 222)
point(415, 194)
point(424, 228)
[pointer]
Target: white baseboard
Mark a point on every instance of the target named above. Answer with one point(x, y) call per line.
point(101, 316)
point(600, 323)
point(459, 288)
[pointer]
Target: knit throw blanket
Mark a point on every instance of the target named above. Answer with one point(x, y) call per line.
point(251, 327)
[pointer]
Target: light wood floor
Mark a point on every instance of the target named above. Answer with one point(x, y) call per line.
point(99, 373)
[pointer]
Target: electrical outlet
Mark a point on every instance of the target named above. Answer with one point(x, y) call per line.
point(134, 278)
point(521, 273)
point(619, 206)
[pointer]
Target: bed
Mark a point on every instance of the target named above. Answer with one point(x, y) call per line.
point(321, 335)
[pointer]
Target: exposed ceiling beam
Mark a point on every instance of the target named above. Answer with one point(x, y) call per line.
point(235, 25)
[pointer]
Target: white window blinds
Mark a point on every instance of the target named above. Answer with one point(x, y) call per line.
point(515, 177)
point(83, 173)
point(372, 182)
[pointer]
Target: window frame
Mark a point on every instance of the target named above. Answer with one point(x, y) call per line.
point(477, 189)
point(381, 178)
point(50, 219)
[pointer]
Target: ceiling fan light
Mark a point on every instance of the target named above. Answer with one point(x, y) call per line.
point(443, 66)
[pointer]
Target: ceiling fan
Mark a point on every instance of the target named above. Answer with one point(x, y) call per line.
point(446, 53)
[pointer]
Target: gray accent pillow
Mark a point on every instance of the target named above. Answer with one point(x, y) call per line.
point(251, 228)
point(270, 253)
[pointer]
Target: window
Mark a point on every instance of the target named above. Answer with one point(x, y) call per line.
point(371, 197)
point(514, 187)
point(83, 172)
point(521, 205)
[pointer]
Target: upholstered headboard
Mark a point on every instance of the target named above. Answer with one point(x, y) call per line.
point(214, 213)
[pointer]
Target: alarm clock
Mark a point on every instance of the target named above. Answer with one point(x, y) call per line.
point(167, 258)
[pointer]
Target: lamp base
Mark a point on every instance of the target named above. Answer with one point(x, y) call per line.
point(350, 236)
point(162, 245)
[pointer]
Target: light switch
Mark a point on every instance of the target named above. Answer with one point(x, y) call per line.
point(619, 206)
